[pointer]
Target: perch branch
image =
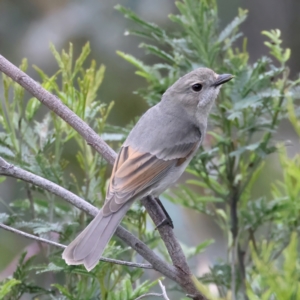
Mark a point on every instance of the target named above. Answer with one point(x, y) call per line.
point(158, 264)
point(163, 295)
point(181, 274)
point(39, 239)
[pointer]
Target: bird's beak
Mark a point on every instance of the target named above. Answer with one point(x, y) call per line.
point(222, 79)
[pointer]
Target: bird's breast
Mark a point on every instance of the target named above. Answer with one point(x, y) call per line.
point(174, 174)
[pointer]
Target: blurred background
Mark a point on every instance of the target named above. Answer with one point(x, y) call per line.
point(27, 28)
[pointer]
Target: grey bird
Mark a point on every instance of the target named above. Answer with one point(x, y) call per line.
point(153, 157)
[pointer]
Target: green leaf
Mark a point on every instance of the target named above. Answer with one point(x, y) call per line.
point(40, 226)
point(51, 267)
point(31, 108)
point(3, 217)
point(231, 27)
point(6, 287)
point(63, 290)
point(241, 150)
point(86, 50)
point(151, 29)
point(189, 252)
point(158, 52)
point(57, 56)
point(131, 59)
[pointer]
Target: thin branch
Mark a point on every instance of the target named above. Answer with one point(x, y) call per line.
point(39, 239)
point(181, 274)
point(149, 295)
point(163, 290)
point(234, 231)
point(56, 105)
point(163, 295)
point(30, 198)
point(236, 249)
point(233, 270)
point(16, 172)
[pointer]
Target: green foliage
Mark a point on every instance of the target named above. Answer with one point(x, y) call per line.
point(259, 229)
point(7, 286)
point(21, 283)
point(42, 143)
point(275, 48)
point(276, 279)
point(245, 118)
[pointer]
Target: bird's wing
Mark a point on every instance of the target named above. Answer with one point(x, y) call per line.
point(135, 172)
point(163, 132)
point(159, 141)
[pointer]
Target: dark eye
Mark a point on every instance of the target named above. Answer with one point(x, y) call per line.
point(197, 87)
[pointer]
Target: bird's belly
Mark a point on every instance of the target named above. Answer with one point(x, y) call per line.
point(171, 177)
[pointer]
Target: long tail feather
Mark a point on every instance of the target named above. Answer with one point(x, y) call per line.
point(89, 245)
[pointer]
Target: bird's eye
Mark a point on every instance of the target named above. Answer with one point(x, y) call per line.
point(197, 87)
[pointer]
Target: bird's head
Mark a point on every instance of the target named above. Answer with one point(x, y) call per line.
point(197, 90)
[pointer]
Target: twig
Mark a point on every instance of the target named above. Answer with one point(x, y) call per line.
point(163, 290)
point(16, 172)
point(55, 104)
point(236, 249)
point(234, 231)
point(181, 274)
point(39, 239)
point(233, 270)
point(148, 295)
point(164, 293)
point(29, 195)
point(30, 198)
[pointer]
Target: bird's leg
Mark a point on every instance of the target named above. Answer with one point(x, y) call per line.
point(167, 219)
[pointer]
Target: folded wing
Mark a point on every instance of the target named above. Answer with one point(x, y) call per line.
point(135, 173)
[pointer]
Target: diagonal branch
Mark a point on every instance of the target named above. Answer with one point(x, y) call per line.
point(55, 104)
point(141, 248)
point(163, 295)
point(181, 274)
point(39, 239)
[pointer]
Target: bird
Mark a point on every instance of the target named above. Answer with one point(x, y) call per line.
point(152, 158)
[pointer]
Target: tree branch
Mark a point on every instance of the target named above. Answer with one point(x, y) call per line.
point(163, 289)
point(16, 172)
point(181, 274)
point(236, 249)
point(56, 105)
point(163, 295)
point(39, 239)
point(149, 295)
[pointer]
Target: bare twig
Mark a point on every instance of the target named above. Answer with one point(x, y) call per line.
point(181, 274)
point(163, 290)
point(163, 295)
point(39, 239)
point(233, 270)
point(30, 198)
point(16, 172)
point(236, 249)
point(148, 295)
point(55, 104)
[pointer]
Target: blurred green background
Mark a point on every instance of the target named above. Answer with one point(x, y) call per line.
point(27, 28)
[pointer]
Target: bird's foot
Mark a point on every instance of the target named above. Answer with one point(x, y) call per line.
point(165, 221)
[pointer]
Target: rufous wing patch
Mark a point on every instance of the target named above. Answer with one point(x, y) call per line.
point(135, 172)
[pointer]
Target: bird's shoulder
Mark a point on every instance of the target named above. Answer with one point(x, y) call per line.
point(161, 128)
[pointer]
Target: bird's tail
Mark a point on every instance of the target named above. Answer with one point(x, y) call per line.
point(89, 245)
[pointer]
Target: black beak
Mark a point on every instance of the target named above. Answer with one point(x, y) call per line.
point(222, 79)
